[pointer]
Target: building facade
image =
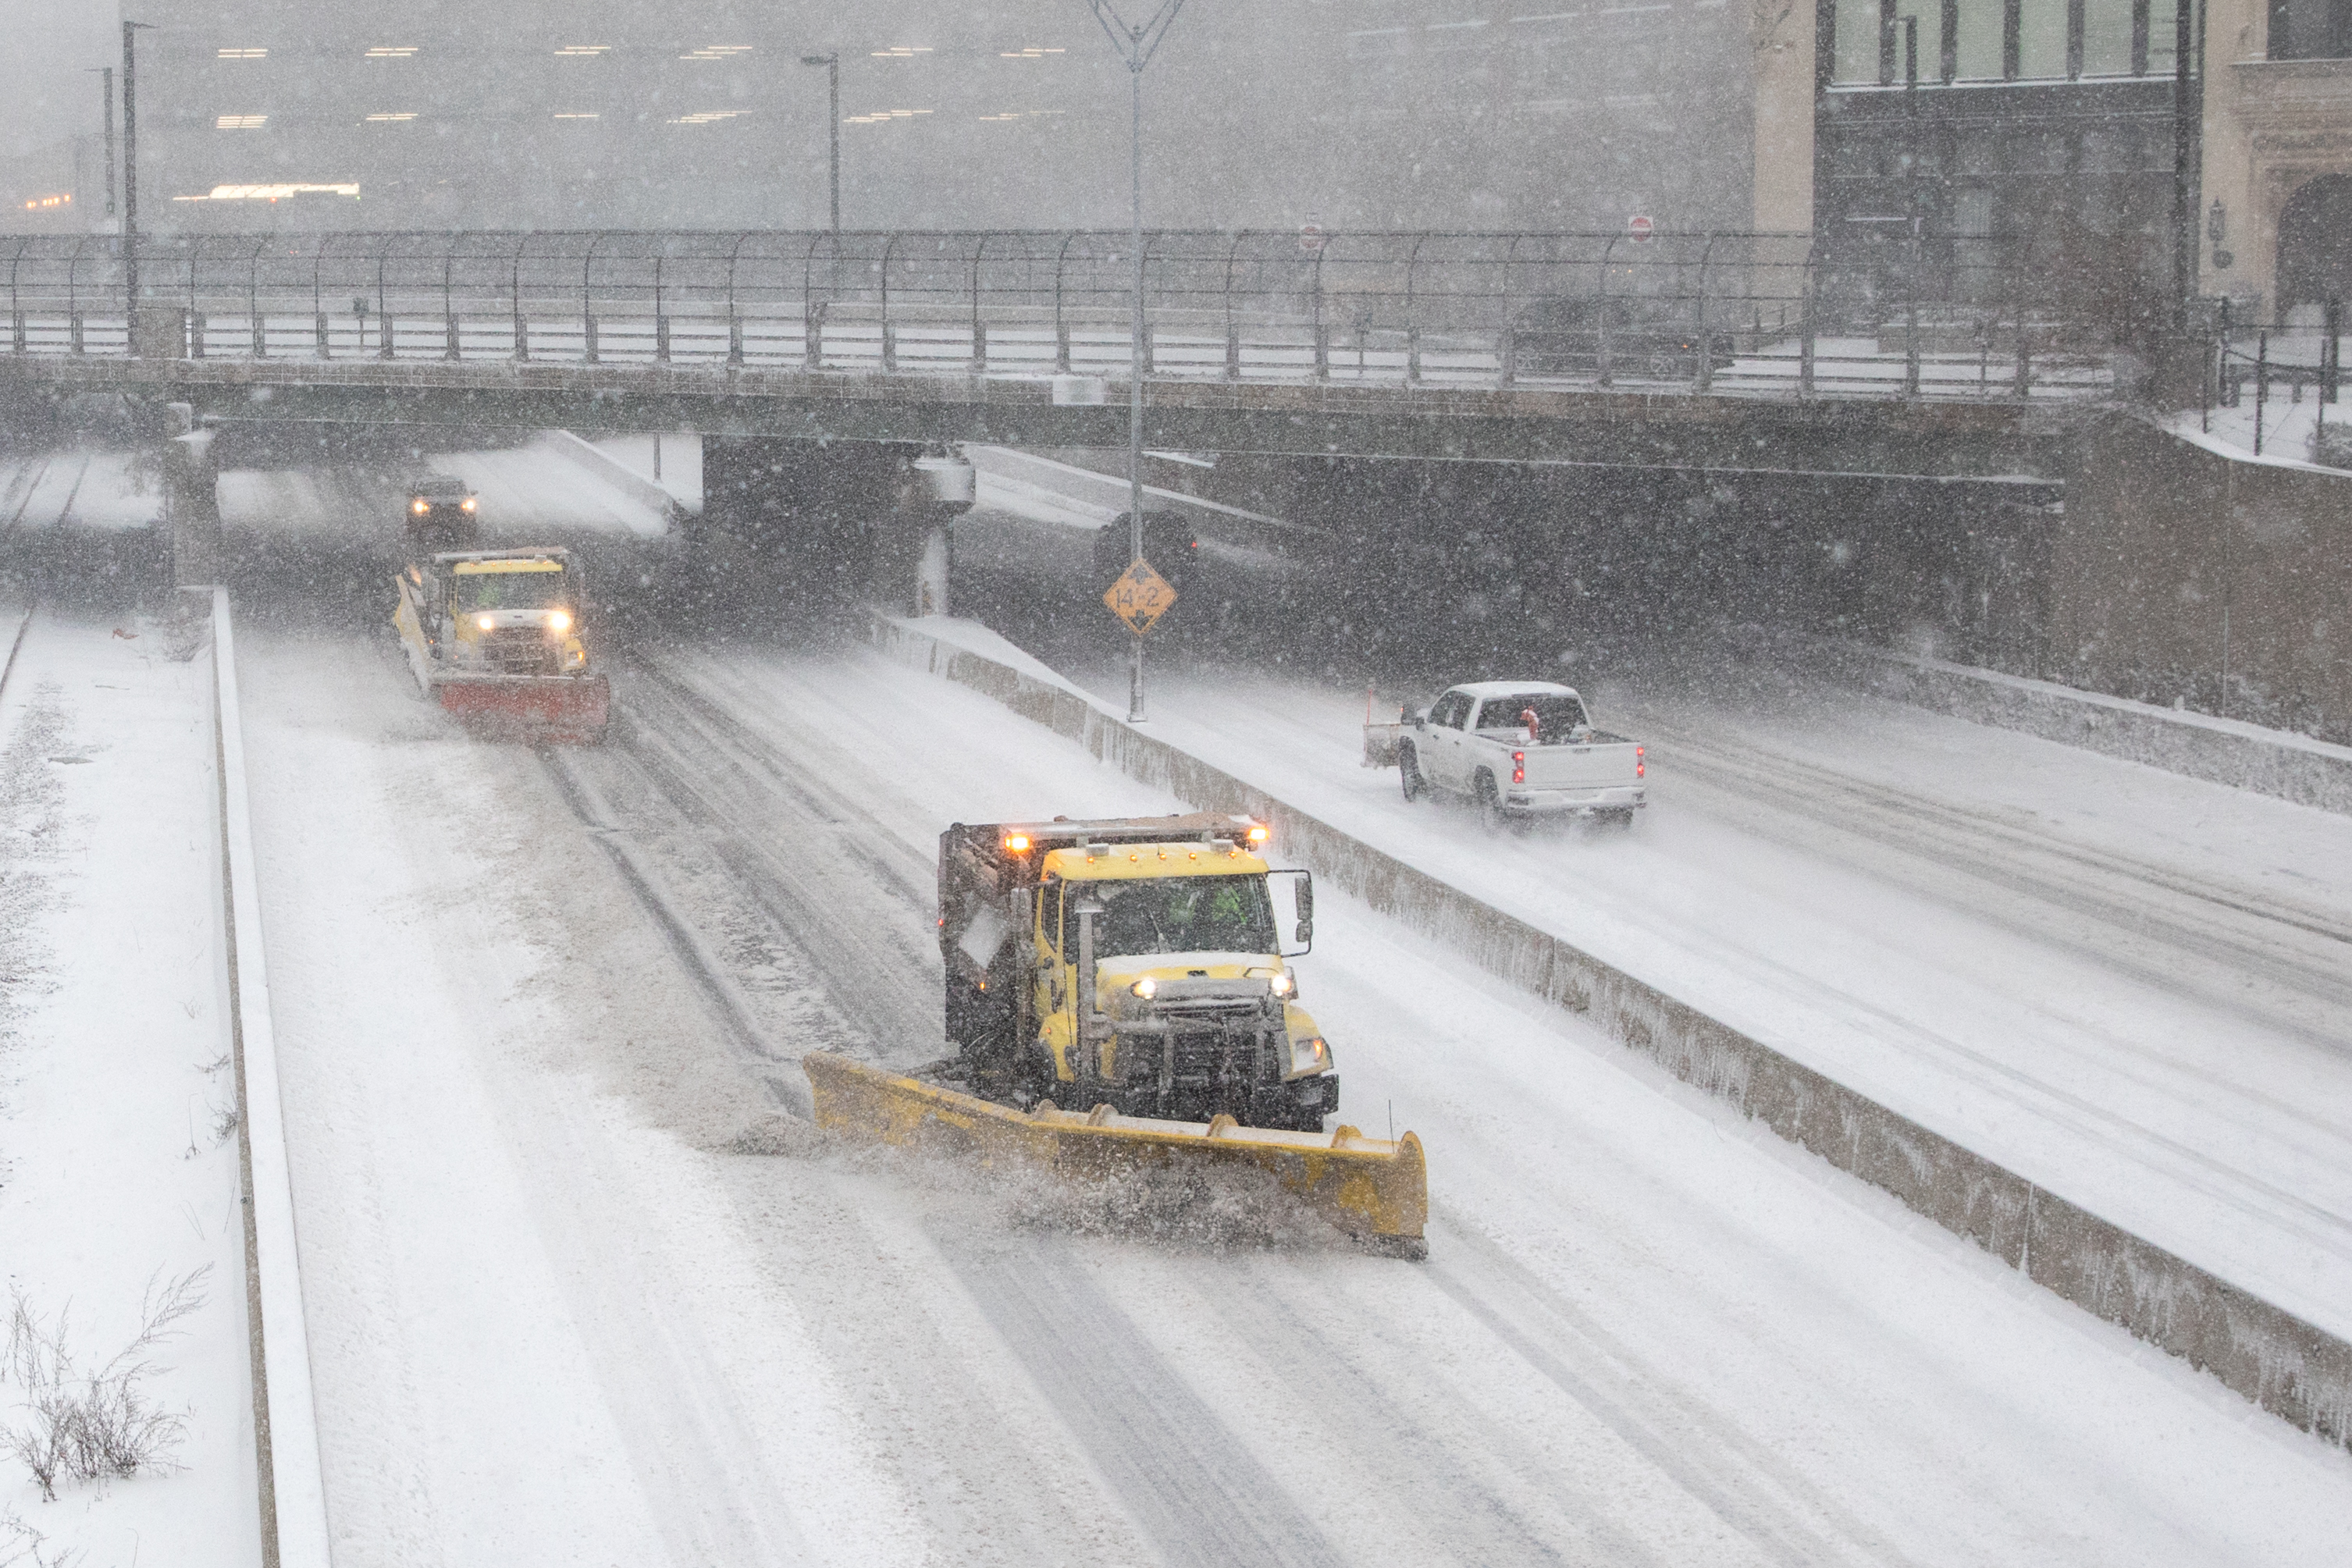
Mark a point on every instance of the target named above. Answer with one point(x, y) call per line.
point(1457, 114)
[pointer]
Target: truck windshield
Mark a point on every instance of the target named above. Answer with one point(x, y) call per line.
point(511, 591)
point(1556, 714)
point(1175, 915)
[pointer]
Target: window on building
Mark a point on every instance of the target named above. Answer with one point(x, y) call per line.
point(2310, 29)
point(2107, 38)
point(2041, 39)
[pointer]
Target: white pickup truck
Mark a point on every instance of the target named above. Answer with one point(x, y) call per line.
point(1519, 750)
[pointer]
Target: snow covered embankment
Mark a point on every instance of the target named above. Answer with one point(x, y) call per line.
point(2199, 745)
point(2280, 1363)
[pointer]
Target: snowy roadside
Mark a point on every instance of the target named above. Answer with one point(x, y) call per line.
point(118, 1147)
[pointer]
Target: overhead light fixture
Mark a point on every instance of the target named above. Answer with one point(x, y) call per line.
point(879, 115)
point(387, 118)
point(1022, 114)
point(560, 114)
point(899, 52)
point(717, 52)
point(708, 116)
point(245, 53)
point(392, 51)
point(270, 192)
point(1031, 53)
point(47, 203)
point(581, 50)
point(240, 122)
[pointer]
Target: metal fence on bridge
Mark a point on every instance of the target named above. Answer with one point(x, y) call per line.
point(1726, 313)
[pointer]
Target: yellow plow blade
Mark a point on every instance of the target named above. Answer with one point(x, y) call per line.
point(1374, 1190)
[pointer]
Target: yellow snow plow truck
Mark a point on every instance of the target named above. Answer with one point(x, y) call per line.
point(494, 635)
point(1119, 996)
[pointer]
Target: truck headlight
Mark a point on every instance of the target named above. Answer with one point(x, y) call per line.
point(485, 622)
point(1281, 985)
point(559, 621)
point(1309, 1054)
point(1146, 987)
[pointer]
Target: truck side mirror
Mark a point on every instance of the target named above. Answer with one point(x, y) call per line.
point(1302, 904)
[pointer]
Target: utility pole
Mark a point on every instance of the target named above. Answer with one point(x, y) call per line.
point(832, 64)
point(106, 118)
point(2187, 134)
point(131, 31)
point(1136, 46)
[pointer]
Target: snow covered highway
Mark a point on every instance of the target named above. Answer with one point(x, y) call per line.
point(582, 1285)
point(544, 1158)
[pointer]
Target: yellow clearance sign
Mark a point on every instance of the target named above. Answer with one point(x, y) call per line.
point(1141, 597)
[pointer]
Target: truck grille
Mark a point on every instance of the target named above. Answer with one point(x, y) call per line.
point(521, 651)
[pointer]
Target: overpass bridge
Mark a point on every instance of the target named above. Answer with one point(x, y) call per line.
point(1739, 352)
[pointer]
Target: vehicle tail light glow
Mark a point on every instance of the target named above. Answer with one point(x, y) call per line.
point(1518, 767)
point(1016, 843)
point(1640, 767)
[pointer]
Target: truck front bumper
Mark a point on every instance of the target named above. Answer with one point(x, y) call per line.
point(1524, 802)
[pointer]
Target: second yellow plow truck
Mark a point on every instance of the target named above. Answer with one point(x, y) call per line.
point(1118, 997)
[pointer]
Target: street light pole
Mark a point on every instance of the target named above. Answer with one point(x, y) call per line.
point(131, 31)
point(832, 64)
point(1136, 45)
point(106, 118)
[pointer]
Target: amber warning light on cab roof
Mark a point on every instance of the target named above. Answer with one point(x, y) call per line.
point(1016, 843)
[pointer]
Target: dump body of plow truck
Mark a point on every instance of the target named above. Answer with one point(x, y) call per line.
point(494, 637)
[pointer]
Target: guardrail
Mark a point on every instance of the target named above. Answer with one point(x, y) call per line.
point(1760, 314)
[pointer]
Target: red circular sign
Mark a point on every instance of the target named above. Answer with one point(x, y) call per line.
point(1310, 238)
point(1640, 226)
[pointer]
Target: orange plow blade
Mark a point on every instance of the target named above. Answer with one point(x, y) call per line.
point(531, 708)
point(1374, 1190)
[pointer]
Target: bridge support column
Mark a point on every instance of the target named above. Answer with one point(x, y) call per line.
point(191, 516)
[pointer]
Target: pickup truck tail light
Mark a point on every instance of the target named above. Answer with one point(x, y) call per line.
point(1518, 767)
point(1640, 767)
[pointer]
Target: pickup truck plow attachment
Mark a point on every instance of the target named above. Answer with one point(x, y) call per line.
point(1375, 1191)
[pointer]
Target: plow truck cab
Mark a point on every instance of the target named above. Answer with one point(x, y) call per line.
point(1141, 964)
point(494, 637)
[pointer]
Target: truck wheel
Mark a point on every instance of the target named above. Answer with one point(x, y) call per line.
point(1490, 804)
point(1409, 771)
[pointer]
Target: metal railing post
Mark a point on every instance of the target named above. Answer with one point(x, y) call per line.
point(1233, 326)
point(1911, 349)
point(1412, 321)
point(318, 303)
point(979, 327)
point(889, 331)
point(2330, 351)
point(1605, 358)
point(661, 316)
point(1706, 342)
point(383, 333)
point(449, 305)
point(587, 303)
point(734, 319)
point(252, 305)
point(2262, 384)
point(514, 297)
point(1061, 326)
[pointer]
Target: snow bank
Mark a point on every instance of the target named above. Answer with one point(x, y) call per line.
point(2282, 1363)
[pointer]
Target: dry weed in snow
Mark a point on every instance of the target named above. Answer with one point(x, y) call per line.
point(79, 1425)
point(22, 1546)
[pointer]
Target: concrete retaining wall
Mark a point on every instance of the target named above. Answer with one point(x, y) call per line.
point(2280, 1363)
point(285, 1418)
point(2224, 751)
